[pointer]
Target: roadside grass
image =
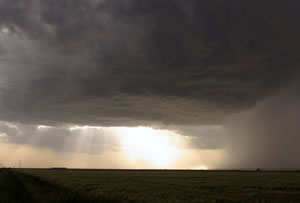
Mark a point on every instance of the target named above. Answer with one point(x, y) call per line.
point(49, 192)
point(161, 186)
point(12, 190)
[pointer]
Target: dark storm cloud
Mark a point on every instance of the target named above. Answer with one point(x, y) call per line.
point(202, 137)
point(141, 62)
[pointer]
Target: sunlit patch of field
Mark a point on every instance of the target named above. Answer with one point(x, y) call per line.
point(164, 185)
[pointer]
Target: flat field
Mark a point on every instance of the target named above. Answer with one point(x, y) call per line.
point(49, 185)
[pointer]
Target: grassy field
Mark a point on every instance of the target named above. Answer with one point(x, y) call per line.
point(12, 190)
point(159, 186)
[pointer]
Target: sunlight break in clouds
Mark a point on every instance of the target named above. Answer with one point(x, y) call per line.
point(105, 147)
point(84, 127)
point(5, 30)
point(43, 127)
point(154, 146)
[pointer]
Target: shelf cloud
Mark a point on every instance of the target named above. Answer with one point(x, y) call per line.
point(130, 62)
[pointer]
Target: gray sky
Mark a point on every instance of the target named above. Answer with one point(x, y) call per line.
point(219, 74)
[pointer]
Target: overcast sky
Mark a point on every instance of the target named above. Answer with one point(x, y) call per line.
point(214, 82)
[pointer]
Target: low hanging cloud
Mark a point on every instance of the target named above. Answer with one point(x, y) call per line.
point(61, 139)
point(202, 137)
point(102, 147)
point(138, 62)
point(96, 140)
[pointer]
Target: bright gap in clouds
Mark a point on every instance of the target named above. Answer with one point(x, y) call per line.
point(113, 147)
point(43, 127)
point(85, 127)
point(153, 146)
point(5, 30)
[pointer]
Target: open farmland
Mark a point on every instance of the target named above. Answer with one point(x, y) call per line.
point(46, 185)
